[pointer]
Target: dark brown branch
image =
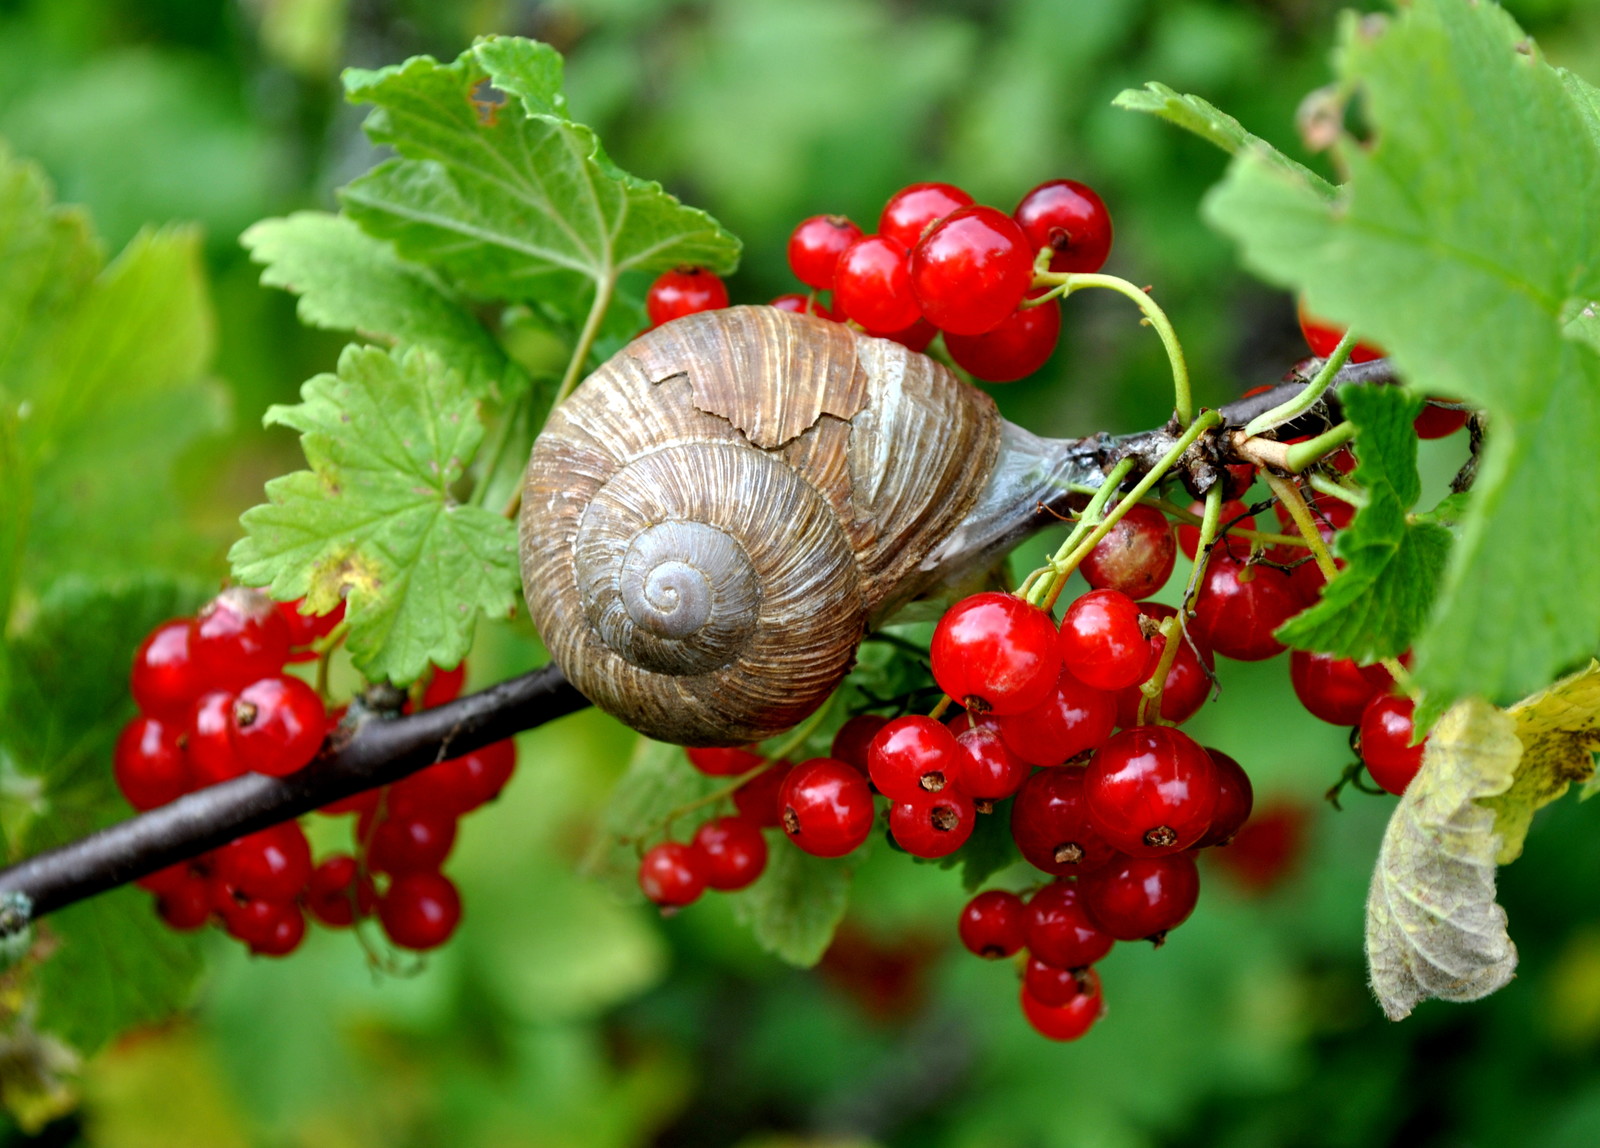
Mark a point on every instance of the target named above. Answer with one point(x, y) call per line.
point(377, 752)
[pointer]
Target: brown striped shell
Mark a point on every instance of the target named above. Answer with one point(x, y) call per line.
point(713, 518)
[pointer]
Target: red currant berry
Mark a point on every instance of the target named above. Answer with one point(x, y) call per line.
point(305, 629)
point(1051, 985)
point(254, 921)
point(272, 864)
point(994, 924)
point(1070, 219)
point(187, 906)
point(1188, 682)
point(1235, 798)
point(1387, 727)
point(1238, 608)
point(757, 798)
point(1060, 932)
point(933, 824)
point(1228, 544)
point(355, 803)
point(994, 653)
point(732, 852)
point(148, 764)
point(1333, 689)
point(971, 270)
point(165, 681)
point(208, 740)
point(815, 246)
point(168, 879)
point(992, 772)
point(337, 890)
point(912, 210)
point(1071, 1020)
point(1150, 790)
point(1136, 557)
point(1439, 422)
point(803, 305)
point(239, 637)
point(1050, 824)
point(684, 291)
point(873, 286)
point(1019, 346)
point(913, 756)
point(410, 844)
point(854, 739)
point(281, 934)
point(913, 338)
point(420, 910)
point(1102, 641)
point(1142, 898)
point(278, 725)
point(454, 787)
point(670, 875)
point(444, 685)
point(723, 761)
point(826, 807)
point(1329, 512)
point(1072, 720)
point(1322, 337)
point(1268, 849)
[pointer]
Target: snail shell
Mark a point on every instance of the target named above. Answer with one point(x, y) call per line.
point(713, 519)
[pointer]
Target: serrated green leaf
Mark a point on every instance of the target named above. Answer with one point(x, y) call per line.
point(1214, 126)
point(509, 197)
point(349, 281)
point(374, 520)
point(658, 780)
point(1464, 267)
point(794, 907)
point(1375, 607)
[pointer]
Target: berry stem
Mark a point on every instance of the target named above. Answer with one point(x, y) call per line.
point(1304, 454)
point(1176, 629)
point(1263, 537)
point(1338, 490)
point(1308, 396)
point(1068, 282)
point(1289, 494)
point(1088, 521)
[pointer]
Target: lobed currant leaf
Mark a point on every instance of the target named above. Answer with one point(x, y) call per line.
point(1378, 604)
point(348, 281)
point(658, 780)
point(794, 907)
point(375, 521)
point(1435, 222)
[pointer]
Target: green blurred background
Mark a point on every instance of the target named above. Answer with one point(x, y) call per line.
point(561, 1016)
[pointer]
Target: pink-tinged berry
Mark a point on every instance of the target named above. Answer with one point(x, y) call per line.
point(1387, 727)
point(1050, 824)
point(1235, 798)
point(994, 924)
point(1102, 641)
point(723, 761)
point(912, 210)
point(1060, 932)
point(994, 653)
point(278, 725)
point(873, 286)
point(239, 636)
point(826, 807)
point(1333, 689)
point(1142, 898)
point(1071, 1020)
point(1021, 344)
point(148, 764)
point(1151, 790)
point(732, 852)
point(815, 246)
point(337, 891)
point(420, 911)
point(913, 756)
point(684, 291)
point(1136, 557)
point(1073, 719)
point(970, 270)
point(164, 681)
point(933, 824)
point(1070, 219)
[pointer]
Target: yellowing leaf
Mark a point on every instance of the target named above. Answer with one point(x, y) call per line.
point(1433, 926)
point(1559, 729)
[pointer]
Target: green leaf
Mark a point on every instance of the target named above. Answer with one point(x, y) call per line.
point(1214, 126)
point(349, 281)
point(507, 196)
point(1375, 607)
point(794, 907)
point(658, 781)
point(1466, 268)
point(990, 849)
point(374, 519)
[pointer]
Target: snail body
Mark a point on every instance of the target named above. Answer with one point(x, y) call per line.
point(713, 520)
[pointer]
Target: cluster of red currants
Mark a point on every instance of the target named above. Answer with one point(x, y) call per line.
point(215, 703)
point(939, 263)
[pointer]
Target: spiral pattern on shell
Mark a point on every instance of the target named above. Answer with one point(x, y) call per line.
point(714, 517)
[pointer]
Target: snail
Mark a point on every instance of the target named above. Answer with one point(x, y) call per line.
point(717, 516)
